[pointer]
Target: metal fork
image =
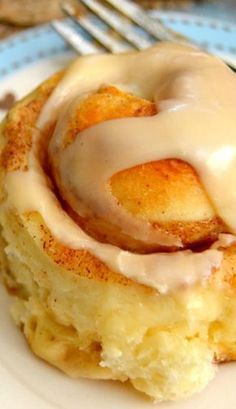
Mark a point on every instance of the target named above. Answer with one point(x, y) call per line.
point(135, 29)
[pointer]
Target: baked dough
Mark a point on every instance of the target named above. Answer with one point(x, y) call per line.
point(88, 320)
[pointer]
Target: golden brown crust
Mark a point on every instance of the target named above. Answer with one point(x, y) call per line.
point(167, 194)
point(20, 123)
point(78, 261)
point(105, 104)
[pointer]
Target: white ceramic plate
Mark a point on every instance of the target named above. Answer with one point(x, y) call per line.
point(25, 381)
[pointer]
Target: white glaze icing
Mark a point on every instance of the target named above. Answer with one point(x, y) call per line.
point(196, 96)
point(163, 271)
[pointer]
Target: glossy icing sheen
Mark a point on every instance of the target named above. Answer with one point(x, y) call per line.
point(196, 97)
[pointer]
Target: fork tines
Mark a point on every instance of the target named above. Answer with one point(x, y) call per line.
point(80, 44)
point(116, 21)
point(103, 23)
point(94, 28)
point(117, 26)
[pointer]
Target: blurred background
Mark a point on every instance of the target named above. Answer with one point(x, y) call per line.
point(16, 15)
point(42, 51)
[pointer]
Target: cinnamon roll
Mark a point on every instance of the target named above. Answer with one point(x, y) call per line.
point(118, 218)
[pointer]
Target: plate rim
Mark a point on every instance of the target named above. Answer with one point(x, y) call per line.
point(195, 18)
point(46, 29)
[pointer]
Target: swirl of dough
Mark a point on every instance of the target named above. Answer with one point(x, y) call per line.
point(189, 126)
point(195, 105)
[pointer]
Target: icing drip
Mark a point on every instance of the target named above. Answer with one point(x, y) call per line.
point(196, 97)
